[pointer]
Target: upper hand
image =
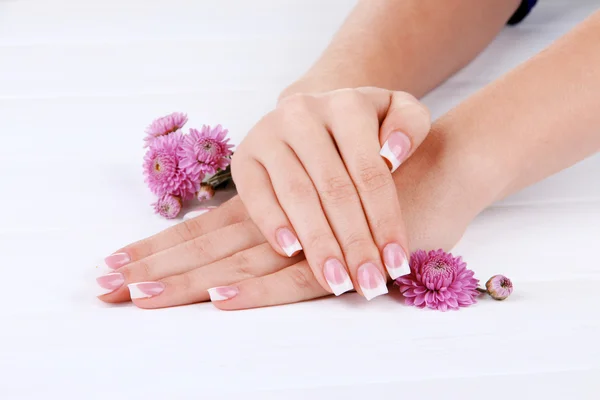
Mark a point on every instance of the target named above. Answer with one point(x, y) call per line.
point(314, 175)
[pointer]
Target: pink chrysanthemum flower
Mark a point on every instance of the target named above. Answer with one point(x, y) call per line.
point(205, 151)
point(168, 206)
point(162, 169)
point(499, 287)
point(439, 281)
point(206, 192)
point(164, 125)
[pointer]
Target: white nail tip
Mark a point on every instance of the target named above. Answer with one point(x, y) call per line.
point(395, 273)
point(377, 291)
point(135, 292)
point(343, 287)
point(294, 248)
point(216, 296)
point(102, 291)
point(101, 264)
point(387, 153)
point(196, 213)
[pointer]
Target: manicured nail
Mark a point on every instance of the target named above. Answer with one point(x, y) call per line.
point(288, 242)
point(142, 290)
point(116, 260)
point(395, 150)
point(337, 277)
point(395, 260)
point(110, 282)
point(222, 293)
point(371, 281)
point(197, 212)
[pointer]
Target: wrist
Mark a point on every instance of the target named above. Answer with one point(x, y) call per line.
point(479, 171)
point(448, 180)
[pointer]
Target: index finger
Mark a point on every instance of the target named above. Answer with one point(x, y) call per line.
point(228, 213)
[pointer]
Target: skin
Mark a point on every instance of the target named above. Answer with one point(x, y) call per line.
point(310, 170)
point(481, 151)
point(321, 179)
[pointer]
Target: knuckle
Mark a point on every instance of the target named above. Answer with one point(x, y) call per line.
point(232, 212)
point(185, 283)
point(139, 271)
point(337, 188)
point(301, 278)
point(297, 102)
point(185, 230)
point(372, 177)
point(356, 242)
point(347, 99)
point(200, 247)
point(243, 265)
point(302, 190)
point(294, 109)
point(384, 223)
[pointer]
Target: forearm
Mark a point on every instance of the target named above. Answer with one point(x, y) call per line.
point(410, 45)
point(538, 119)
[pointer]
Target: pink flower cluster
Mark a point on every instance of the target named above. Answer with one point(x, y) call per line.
point(175, 163)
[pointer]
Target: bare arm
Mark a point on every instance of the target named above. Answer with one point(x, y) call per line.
point(409, 45)
point(538, 119)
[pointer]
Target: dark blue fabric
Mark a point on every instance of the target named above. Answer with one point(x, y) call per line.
point(523, 10)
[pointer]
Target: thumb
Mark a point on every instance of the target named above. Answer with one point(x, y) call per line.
point(403, 129)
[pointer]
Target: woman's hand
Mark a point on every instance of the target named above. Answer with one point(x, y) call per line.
point(313, 176)
point(178, 266)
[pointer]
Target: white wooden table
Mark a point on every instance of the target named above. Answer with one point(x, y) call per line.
point(79, 80)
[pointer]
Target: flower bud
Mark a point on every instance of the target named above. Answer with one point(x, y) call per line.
point(499, 287)
point(206, 192)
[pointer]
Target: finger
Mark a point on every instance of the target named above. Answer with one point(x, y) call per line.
point(256, 191)
point(341, 203)
point(300, 203)
point(192, 287)
point(405, 125)
point(229, 213)
point(356, 136)
point(184, 257)
point(289, 285)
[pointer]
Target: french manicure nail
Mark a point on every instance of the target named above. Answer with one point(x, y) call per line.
point(371, 281)
point(110, 282)
point(142, 290)
point(197, 212)
point(115, 260)
point(288, 242)
point(395, 260)
point(337, 277)
point(222, 293)
point(395, 149)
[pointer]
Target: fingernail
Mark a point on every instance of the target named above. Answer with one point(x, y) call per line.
point(337, 277)
point(142, 290)
point(395, 260)
point(371, 281)
point(395, 150)
point(288, 242)
point(197, 212)
point(222, 293)
point(110, 282)
point(116, 260)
